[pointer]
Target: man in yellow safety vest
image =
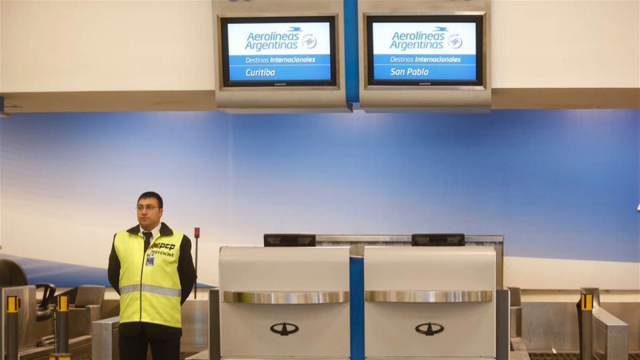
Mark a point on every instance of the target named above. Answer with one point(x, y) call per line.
point(150, 266)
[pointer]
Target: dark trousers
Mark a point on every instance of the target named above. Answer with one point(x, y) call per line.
point(134, 346)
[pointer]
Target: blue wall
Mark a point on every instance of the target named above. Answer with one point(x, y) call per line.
point(557, 184)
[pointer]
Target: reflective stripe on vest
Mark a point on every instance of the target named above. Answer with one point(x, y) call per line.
point(150, 289)
point(149, 282)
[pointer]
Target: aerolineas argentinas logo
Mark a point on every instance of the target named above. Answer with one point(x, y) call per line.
point(439, 38)
point(293, 39)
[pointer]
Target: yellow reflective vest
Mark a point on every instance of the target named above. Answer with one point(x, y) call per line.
point(149, 282)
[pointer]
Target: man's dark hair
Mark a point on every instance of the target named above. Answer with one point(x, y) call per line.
point(152, 194)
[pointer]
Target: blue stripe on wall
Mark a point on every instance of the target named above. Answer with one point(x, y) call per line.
point(356, 307)
point(351, 53)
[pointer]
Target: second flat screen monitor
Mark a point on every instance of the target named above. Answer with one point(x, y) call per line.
point(432, 50)
point(279, 51)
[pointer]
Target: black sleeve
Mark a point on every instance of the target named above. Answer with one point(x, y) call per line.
point(186, 271)
point(114, 268)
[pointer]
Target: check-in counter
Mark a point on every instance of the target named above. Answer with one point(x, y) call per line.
point(430, 302)
point(282, 302)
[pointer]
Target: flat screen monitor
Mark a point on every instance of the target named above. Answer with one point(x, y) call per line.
point(279, 51)
point(433, 50)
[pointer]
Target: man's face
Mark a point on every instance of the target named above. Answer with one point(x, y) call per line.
point(149, 213)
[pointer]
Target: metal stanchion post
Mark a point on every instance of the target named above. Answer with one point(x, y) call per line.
point(196, 234)
point(62, 330)
point(13, 304)
point(588, 297)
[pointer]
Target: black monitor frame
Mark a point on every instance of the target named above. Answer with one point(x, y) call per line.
point(477, 19)
point(450, 239)
point(289, 240)
point(225, 21)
